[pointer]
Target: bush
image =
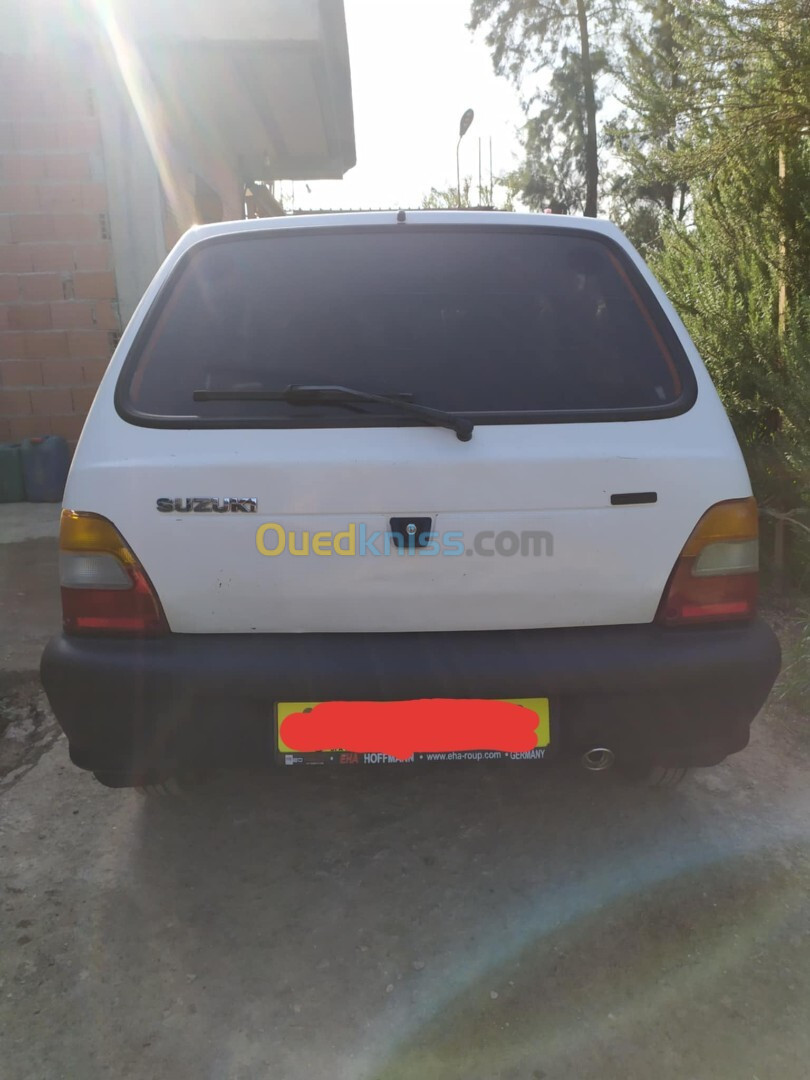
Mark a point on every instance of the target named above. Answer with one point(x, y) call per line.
point(724, 271)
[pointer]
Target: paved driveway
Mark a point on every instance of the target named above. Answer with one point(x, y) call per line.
point(513, 923)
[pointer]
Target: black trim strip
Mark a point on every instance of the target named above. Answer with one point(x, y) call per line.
point(633, 498)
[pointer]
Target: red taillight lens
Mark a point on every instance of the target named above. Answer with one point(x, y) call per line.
point(716, 577)
point(105, 590)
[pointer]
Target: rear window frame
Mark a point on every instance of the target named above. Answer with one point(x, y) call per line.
point(345, 419)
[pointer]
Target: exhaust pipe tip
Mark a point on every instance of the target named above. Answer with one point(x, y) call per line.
point(599, 759)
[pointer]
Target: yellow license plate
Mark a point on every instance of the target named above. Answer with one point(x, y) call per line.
point(463, 719)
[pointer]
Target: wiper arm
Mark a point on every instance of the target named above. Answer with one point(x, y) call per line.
point(305, 394)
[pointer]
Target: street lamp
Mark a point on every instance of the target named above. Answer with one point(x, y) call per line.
point(463, 128)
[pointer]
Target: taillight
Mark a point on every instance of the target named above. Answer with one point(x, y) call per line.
point(104, 587)
point(716, 577)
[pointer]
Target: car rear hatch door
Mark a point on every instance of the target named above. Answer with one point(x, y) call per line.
point(592, 455)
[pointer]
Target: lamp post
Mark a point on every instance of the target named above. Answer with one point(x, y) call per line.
point(463, 128)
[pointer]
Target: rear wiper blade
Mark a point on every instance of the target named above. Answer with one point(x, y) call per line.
point(312, 394)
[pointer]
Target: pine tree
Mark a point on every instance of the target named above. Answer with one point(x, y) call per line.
point(653, 85)
point(567, 38)
point(724, 273)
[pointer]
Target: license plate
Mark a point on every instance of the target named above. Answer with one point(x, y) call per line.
point(407, 732)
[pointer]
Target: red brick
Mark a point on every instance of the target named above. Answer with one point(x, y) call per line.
point(29, 317)
point(28, 70)
point(83, 398)
point(39, 71)
point(93, 371)
point(32, 227)
point(61, 198)
point(12, 65)
point(73, 315)
point(15, 403)
point(15, 259)
point(19, 199)
point(93, 257)
point(100, 286)
point(50, 402)
point(37, 135)
point(79, 134)
point(68, 101)
point(69, 427)
point(23, 168)
point(89, 345)
point(16, 373)
point(41, 287)
point(28, 427)
point(21, 102)
point(12, 346)
point(43, 346)
point(62, 373)
point(9, 289)
point(51, 257)
point(94, 198)
point(107, 317)
point(65, 167)
point(76, 227)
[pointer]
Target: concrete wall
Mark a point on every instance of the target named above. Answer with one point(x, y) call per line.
point(134, 194)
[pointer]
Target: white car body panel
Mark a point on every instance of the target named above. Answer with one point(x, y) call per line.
point(608, 564)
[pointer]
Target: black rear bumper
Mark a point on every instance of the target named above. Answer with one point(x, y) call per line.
point(673, 697)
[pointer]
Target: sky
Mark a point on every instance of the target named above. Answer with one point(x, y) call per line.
point(415, 69)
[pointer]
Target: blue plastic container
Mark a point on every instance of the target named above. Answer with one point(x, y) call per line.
point(12, 488)
point(45, 464)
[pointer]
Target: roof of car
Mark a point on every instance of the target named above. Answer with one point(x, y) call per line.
point(478, 218)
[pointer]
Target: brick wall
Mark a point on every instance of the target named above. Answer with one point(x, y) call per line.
point(59, 316)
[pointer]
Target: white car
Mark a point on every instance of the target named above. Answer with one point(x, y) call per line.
point(393, 487)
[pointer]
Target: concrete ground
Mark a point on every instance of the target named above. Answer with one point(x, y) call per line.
point(29, 583)
point(519, 922)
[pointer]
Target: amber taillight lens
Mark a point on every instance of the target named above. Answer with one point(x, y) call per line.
point(105, 590)
point(716, 578)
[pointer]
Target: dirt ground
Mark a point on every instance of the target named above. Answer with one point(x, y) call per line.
point(519, 922)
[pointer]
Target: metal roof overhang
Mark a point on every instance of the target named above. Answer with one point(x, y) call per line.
point(283, 109)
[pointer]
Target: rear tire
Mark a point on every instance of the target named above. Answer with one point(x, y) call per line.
point(156, 785)
point(170, 788)
point(644, 774)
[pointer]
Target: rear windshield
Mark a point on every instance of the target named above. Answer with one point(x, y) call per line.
point(514, 325)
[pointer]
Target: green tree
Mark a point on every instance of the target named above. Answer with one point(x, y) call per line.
point(737, 266)
point(448, 198)
point(569, 39)
point(658, 41)
point(724, 272)
point(744, 79)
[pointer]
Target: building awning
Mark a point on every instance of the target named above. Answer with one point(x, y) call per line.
point(265, 84)
point(283, 109)
point(269, 83)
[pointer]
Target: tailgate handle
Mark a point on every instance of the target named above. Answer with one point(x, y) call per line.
point(633, 498)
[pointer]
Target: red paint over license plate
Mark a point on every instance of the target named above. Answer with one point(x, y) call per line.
point(399, 732)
